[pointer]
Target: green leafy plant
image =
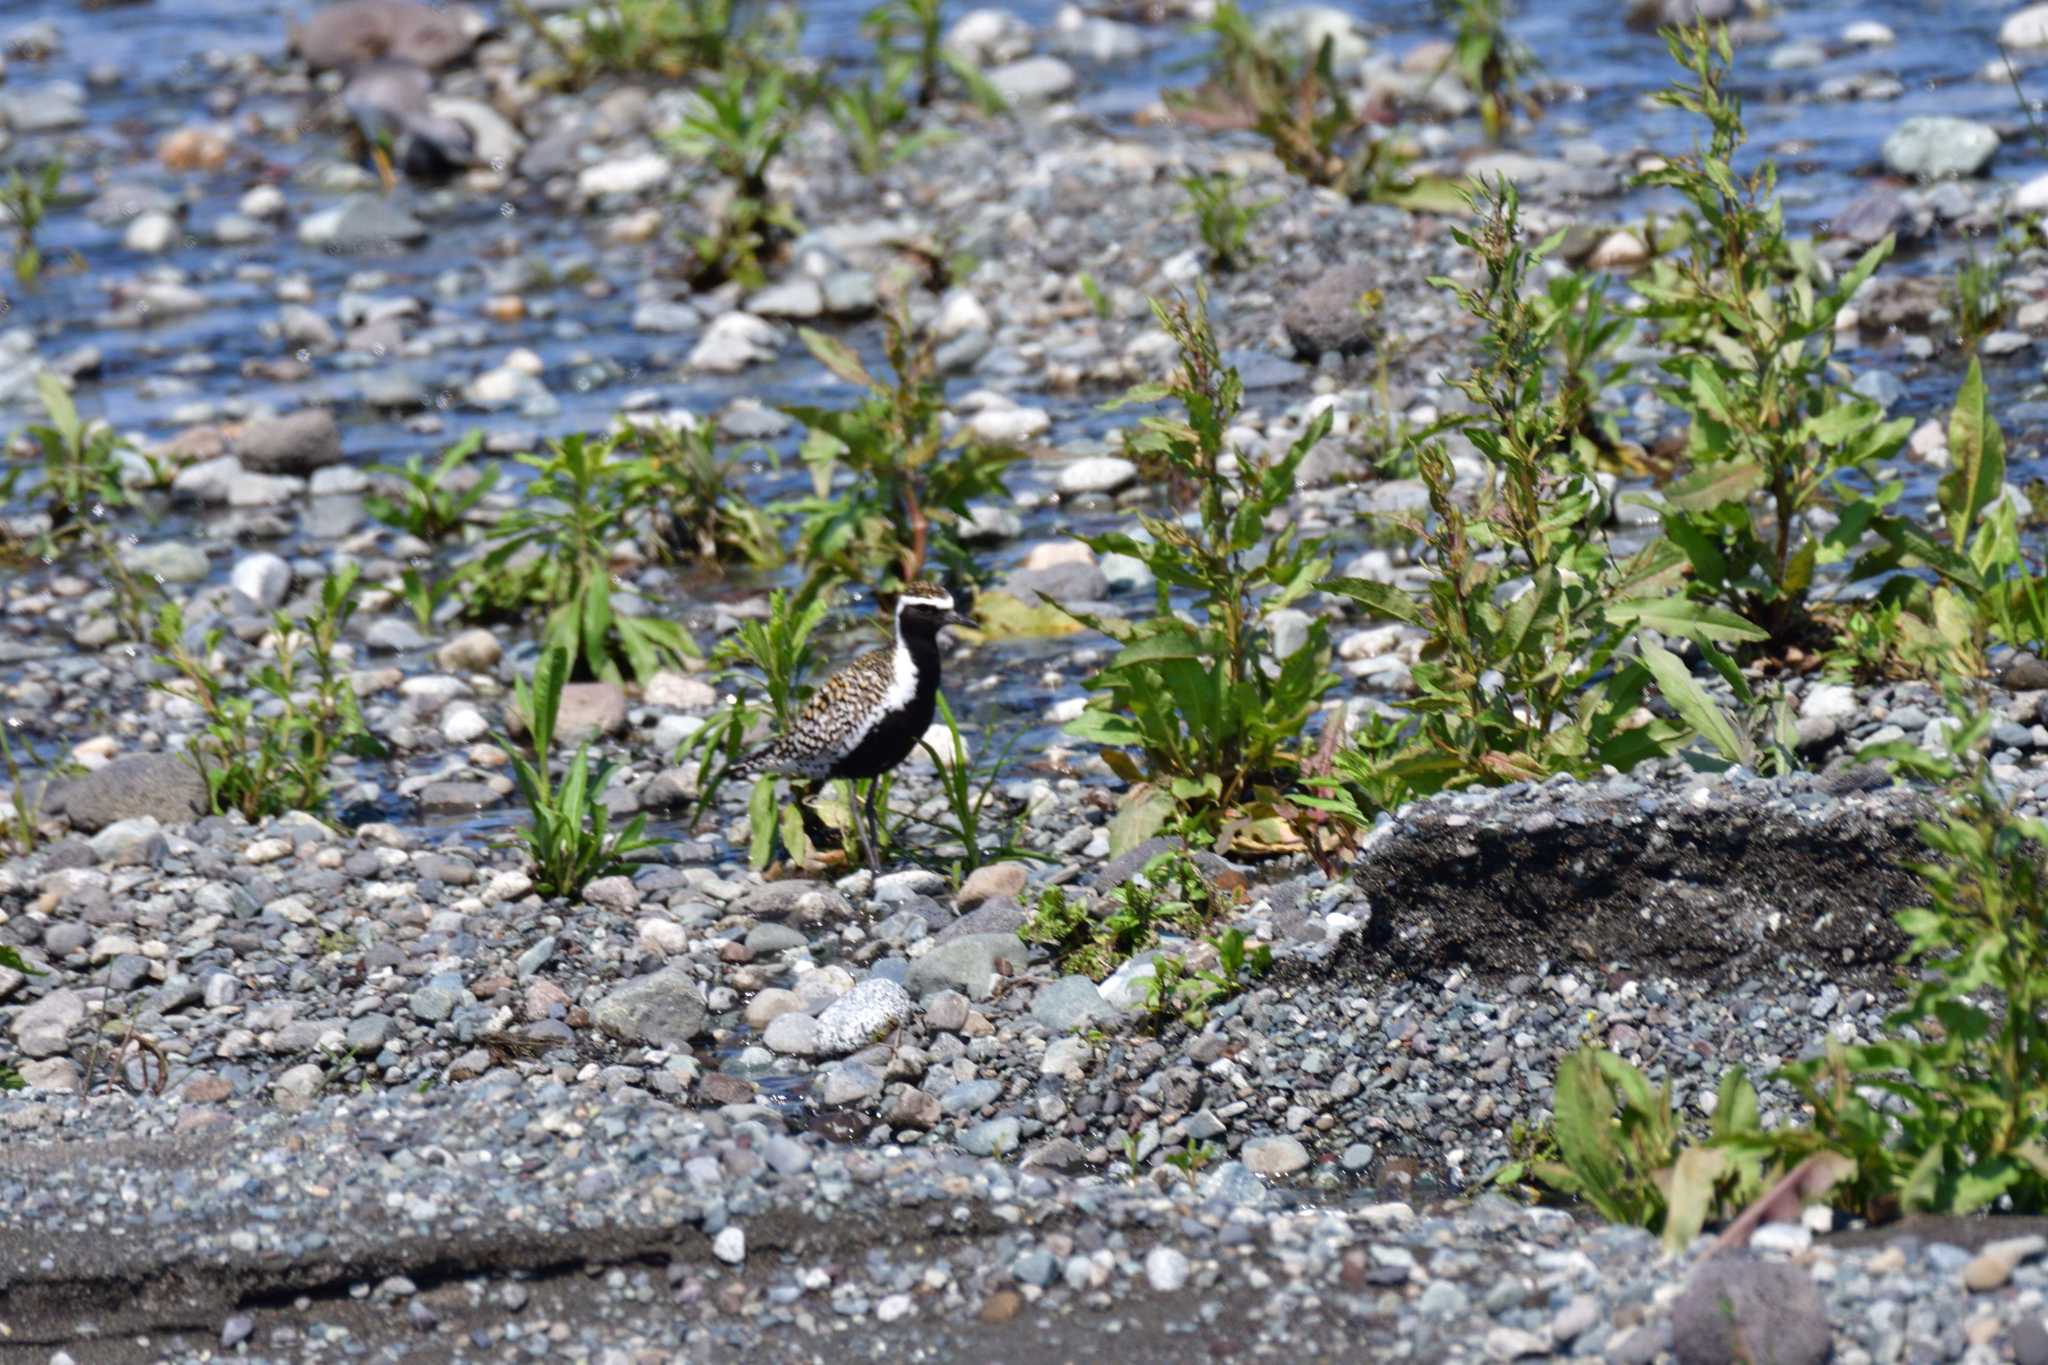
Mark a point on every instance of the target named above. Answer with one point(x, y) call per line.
point(1191, 1159)
point(1177, 991)
point(1491, 63)
point(26, 200)
point(1169, 895)
point(889, 489)
point(433, 503)
point(1949, 1114)
point(1984, 590)
point(569, 836)
point(1977, 297)
point(1306, 114)
point(1585, 329)
point(1221, 219)
point(874, 115)
point(1527, 614)
point(23, 815)
point(266, 757)
point(704, 513)
point(76, 469)
point(968, 787)
point(912, 33)
point(1761, 735)
point(735, 129)
point(1619, 1146)
point(429, 596)
point(664, 39)
point(554, 552)
point(1200, 696)
point(1777, 450)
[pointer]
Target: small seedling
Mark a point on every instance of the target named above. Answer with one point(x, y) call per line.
point(1221, 219)
point(433, 503)
point(268, 758)
point(569, 837)
point(26, 200)
point(1191, 1158)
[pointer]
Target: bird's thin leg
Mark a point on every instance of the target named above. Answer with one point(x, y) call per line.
point(386, 176)
point(874, 827)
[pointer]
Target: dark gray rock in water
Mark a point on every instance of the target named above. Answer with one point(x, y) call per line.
point(1325, 314)
point(355, 31)
point(1072, 582)
point(166, 786)
point(1738, 1308)
point(2024, 673)
point(297, 443)
point(1655, 14)
point(1868, 218)
point(449, 798)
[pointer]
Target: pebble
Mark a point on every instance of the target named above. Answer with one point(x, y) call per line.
point(1097, 474)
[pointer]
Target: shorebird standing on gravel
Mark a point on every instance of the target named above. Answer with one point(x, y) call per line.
point(868, 716)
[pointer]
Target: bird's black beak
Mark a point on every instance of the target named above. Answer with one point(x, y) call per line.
point(959, 618)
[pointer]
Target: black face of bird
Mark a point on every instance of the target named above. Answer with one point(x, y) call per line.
point(924, 616)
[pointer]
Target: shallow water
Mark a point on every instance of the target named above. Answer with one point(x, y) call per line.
point(158, 378)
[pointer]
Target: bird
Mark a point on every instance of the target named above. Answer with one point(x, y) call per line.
point(867, 717)
point(391, 103)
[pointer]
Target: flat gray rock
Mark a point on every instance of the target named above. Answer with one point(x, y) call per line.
point(165, 787)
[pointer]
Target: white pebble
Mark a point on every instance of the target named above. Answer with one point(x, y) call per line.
point(1166, 1270)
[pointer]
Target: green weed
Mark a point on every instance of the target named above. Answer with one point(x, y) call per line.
point(1977, 297)
point(1949, 1114)
point(1618, 1145)
point(1178, 992)
point(1750, 316)
point(434, 502)
point(267, 754)
point(1491, 63)
point(735, 130)
point(1221, 219)
point(663, 39)
point(18, 824)
point(554, 552)
point(26, 200)
point(76, 469)
point(889, 489)
point(1306, 116)
point(703, 512)
point(910, 34)
point(874, 115)
point(968, 786)
point(569, 837)
point(1527, 613)
point(1170, 895)
point(1984, 590)
point(1191, 1159)
point(1211, 714)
